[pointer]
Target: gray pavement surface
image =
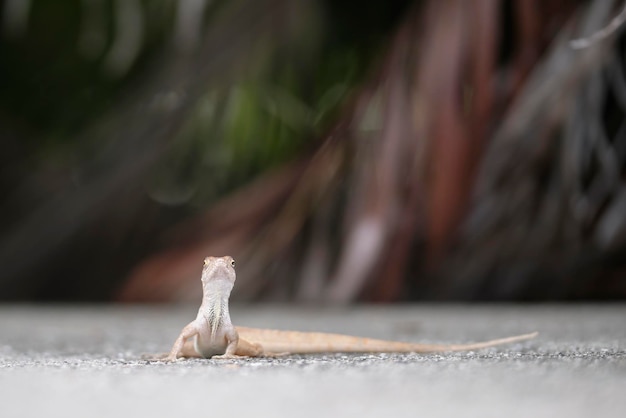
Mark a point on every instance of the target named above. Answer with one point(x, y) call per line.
point(86, 361)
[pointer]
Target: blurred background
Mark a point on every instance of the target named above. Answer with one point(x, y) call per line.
point(382, 151)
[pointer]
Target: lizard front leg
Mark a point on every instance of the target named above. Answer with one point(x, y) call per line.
point(189, 331)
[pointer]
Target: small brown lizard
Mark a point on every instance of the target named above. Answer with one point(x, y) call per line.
point(212, 334)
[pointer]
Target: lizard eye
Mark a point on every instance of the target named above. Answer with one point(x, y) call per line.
point(232, 263)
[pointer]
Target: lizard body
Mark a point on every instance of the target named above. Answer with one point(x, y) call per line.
point(212, 333)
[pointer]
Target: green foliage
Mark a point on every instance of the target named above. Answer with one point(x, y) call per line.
point(60, 77)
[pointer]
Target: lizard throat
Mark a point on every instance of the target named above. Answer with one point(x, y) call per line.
point(215, 304)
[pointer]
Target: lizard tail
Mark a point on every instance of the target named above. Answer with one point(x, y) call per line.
point(275, 341)
point(477, 346)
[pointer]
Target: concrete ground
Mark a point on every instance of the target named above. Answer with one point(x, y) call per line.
point(86, 362)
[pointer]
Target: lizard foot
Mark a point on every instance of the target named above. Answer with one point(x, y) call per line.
point(228, 356)
point(172, 359)
point(272, 355)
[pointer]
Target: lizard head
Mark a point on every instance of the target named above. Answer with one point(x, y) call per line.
point(218, 268)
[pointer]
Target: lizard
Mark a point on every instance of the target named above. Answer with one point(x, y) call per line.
point(212, 334)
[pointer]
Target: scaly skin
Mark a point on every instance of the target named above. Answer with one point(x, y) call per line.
point(212, 334)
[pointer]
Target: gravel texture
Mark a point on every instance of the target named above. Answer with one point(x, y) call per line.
point(86, 361)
